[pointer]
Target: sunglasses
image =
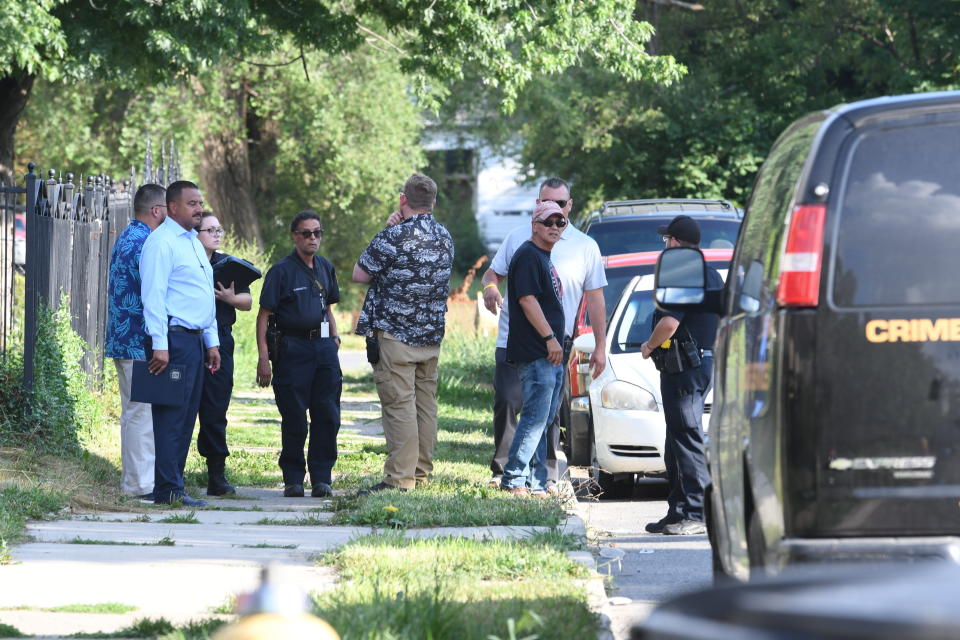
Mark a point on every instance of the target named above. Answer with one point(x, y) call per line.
point(560, 203)
point(558, 221)
point(316, 233)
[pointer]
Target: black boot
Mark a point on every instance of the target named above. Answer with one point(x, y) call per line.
point(217, 484)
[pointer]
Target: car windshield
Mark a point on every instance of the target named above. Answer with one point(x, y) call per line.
point(638, 234)
point(636, 320)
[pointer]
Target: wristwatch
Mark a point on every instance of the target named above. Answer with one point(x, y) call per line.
point(547, 339)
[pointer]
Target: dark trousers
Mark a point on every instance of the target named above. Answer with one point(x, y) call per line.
point(507, 402)
point(307, 377)
point(173, 424)
point(683, 395)
point(214, 402)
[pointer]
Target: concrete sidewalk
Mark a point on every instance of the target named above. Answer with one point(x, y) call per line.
point(188, 571)
point(179, 571)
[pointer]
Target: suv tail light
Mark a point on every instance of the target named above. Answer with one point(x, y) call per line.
point(802, 257)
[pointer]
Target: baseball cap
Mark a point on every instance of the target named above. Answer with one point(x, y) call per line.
point(545, 209)
point(683, 228)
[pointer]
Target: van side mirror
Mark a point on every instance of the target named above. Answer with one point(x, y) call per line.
point(680, 282)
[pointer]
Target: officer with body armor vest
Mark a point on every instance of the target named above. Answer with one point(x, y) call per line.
point(681, 345)
point(297, 333)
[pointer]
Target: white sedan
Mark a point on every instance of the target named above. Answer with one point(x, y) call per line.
point(628, 428)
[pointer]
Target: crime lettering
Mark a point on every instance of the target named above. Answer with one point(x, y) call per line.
point(914, 330)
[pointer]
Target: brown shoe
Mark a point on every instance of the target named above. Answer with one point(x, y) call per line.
point(540, 494)
point(494, 481)
point(517, 491)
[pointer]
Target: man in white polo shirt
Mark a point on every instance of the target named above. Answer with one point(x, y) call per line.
point(576, 258)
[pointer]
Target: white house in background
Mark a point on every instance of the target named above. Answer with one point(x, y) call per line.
point(500, 201)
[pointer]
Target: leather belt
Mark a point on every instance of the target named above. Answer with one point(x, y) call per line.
point(309, 334)
point(176, 327)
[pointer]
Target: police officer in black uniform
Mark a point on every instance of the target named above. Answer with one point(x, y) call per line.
point(218, 386)
point(686, 375)
point(297, 295)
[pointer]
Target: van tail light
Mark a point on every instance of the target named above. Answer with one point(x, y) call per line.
point(802, 257)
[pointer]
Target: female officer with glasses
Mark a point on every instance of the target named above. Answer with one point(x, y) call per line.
point(218, 387)
point(297, 296)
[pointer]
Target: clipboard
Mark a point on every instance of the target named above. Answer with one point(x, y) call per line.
point(236, 270)
point(165, 389)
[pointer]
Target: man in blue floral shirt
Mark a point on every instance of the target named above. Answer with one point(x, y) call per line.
point(126, 337)
point(408, 266)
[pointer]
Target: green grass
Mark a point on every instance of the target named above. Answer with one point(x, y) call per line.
point(161, 629)
point(447, 588)
point(299, 521)
point(17, 505)
point(165, 541)
point(105, 607)
point(181, 518)
point(7, 631)
point(264, 545)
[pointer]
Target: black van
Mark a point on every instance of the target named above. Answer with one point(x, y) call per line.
point(835, 432)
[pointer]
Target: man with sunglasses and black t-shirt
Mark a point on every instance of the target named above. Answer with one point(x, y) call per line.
point(576, 257)
point(299, 292)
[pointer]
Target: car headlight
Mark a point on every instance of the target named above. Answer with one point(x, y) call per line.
point(623, 395)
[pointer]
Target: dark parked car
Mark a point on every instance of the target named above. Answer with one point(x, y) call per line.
point(630, 226)
point(835, 431)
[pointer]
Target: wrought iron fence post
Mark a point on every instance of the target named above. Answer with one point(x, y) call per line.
point(30, 286)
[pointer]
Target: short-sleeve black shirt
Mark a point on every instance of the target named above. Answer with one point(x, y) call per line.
point(290, 293)
point(702, 326)
point(532, 273)
point(226, 314)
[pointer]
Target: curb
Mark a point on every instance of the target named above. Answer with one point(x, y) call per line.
point(595, 585)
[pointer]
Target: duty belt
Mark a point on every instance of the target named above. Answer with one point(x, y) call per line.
point(309, 334)
point(706, 353)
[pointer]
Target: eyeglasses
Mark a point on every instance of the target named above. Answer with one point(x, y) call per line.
point(558, 221)
point(214, 231)
point(316, 233)
point(560, 203)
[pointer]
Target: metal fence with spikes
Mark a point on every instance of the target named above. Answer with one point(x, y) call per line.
point(71, 230)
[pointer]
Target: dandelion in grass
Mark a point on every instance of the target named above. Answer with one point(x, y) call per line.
point(391, 508)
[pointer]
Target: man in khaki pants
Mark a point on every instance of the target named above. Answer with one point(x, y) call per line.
point(408, 267)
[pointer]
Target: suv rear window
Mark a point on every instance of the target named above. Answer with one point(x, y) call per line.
point(639, 234)
point(899, 219)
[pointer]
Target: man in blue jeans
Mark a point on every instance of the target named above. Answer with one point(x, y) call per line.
point(533, 344)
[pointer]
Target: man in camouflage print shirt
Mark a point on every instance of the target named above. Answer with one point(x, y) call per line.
point(408, 267)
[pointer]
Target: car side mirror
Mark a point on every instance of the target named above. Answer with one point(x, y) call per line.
point(680, 282)
point(585, 343)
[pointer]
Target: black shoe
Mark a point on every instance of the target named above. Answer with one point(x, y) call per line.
point(657, 527)
point(321, 490)
point(146, 498)
point(685, 528)
point(217, 484)
point(293, 491)
point(180, 499)
point(380, 486)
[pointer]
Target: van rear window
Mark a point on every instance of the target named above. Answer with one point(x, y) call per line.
point(897, 241)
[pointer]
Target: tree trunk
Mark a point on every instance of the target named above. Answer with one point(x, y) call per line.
point(225, 173)
point(14, 91)
point(235, 190)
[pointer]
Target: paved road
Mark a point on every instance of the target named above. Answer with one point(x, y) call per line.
point(653, 568)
